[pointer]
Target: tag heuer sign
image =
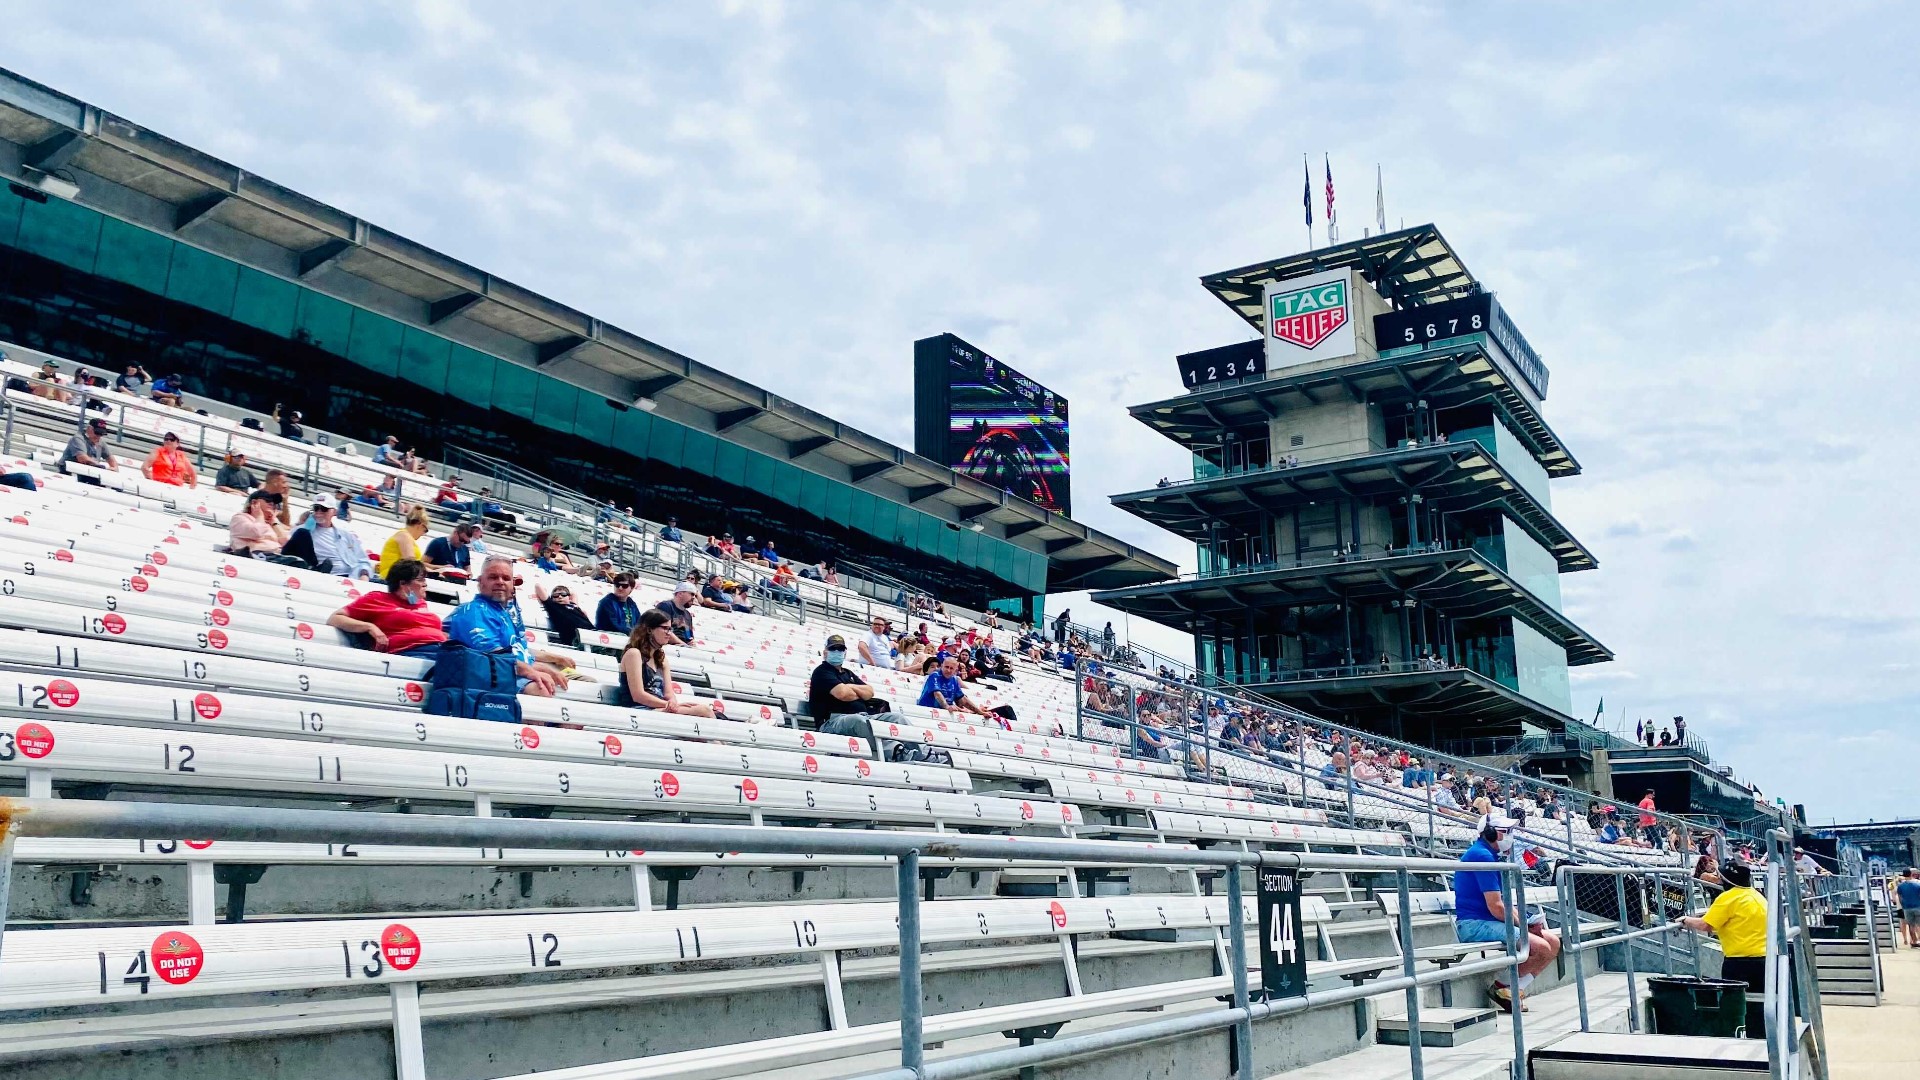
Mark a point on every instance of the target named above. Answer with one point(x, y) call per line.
point(1309, 318)
point(1305, 317)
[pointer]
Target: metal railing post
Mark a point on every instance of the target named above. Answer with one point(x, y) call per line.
point(1620, 898)
point(1079, 701)
point(1516, 902)
point(1570, 912)
point(1410, 967)
point(6, 877)
point(912, 993)
point(1237, 930)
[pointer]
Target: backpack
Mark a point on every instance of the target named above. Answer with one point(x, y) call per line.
point(474, 684)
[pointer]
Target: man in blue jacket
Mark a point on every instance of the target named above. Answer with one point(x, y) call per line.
point(490, 622)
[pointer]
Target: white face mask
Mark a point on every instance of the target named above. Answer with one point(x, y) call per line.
point(1506, 843)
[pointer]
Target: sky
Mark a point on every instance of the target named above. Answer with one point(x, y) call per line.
point(1702, 216)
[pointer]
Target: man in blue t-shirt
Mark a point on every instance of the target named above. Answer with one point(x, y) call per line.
point(1908, 894)
point(943, 691)
point(1480, 912)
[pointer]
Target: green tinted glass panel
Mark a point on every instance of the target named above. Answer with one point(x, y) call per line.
point(423, 359)
point(470, 376)
point(730, 463)
point(697, 454)
point(132, 255)
point(323, 322)
point(969, 548)
point(205, 281)
point(554, 403)
point(926, 534)
point(1000, 560)
point(59, 230)
point(813, 493)
point(10, 221)
point(839, 503)
point(513, 389)
point(668, 438)
point(265, 302)
point(632, 430)
point(375, 344)
point(594, 419)
point(886, 519)
point(786, 483)
point(949, 542)
point(860, 512)
point(759, 472)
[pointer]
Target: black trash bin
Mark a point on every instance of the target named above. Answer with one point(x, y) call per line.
point(1691, 1005)
point(1847, 924)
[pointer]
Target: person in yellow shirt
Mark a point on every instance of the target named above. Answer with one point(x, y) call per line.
point(1738, 917)
point(404, 544)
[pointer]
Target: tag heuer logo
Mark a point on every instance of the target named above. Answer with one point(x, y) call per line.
point(1306, 317)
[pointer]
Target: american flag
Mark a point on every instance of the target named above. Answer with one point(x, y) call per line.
point(1333, 223)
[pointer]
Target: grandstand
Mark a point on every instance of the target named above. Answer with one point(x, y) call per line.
point(235, 843)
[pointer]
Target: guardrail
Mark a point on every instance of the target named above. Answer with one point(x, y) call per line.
point(135, 820)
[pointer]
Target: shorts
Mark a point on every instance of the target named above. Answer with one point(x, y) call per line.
point(1911, 916)
point(1480, 931)
point(520, 685)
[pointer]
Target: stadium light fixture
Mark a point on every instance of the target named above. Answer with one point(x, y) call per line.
point(645, 403)
point(977, 525)
point(46, 183)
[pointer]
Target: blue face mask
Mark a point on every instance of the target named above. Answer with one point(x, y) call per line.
point(836, 657)
point(412, 599)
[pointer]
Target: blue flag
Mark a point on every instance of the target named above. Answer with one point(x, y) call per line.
point(1306, 195)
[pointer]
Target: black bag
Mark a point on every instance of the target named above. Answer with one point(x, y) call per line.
point(474, 684)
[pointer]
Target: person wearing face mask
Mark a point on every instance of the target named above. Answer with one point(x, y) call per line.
point(397, 620)
point(1480, 913)
point(840, 700)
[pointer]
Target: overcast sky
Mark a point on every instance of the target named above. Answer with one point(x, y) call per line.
point(1702, 218)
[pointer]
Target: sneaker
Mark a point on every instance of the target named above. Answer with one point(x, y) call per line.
point(1501, 996)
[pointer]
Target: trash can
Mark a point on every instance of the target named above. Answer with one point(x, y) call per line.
point(1690, 1005)
point(1847, 924)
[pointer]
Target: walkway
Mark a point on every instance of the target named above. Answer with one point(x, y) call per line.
point(1877, 1043)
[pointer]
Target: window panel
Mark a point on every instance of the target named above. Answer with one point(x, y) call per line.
point(730, 463)
point(759, 472)
point(839, 502)
point(969, 548)
point(593, 419)
point(949, 542)
point(632, 430)
point(375, 343)
point(786, 483)
point(860, 511)
point(513, 388)
point(423, 359)
point(10, 221)
point(886, 521)
point(813, 493)
point(265, 302)
point(554, 403)
point(470, 376)
point(132, 255)
point(668, 437)
point(205, 281)
point(321, 321)
point(61, 231)
point(697, 453)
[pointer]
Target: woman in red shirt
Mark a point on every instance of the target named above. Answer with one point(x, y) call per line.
point(397, 620)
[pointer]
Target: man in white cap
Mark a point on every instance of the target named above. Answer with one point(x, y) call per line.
point(680, 612)
point(1480, 912)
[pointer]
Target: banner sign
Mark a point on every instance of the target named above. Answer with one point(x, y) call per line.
point(1308, 318)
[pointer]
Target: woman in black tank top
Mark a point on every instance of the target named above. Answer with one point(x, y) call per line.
point(646, 681)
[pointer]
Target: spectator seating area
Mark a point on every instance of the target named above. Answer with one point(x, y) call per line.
point(139, 660)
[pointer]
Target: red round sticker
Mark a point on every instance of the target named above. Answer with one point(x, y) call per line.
point(613, 746)
point(148, 571)
point(18, 520)
point(138, 584)
point(530, 738)
point(401, 946)
point(293, 583)
point(63, 694)
point(63, 555)
point(1045, 753)
point(1019, 751)
point(219, 616)
point(853, 745)
point(749, 791)
point(810, 764)
point(158, 558)
point(1026, 811)
point(177, 957)
point(893, 730)
point(169, 539)
point(230, 570)
point(766, 713)
point(216, 639)
point(942, 725)
point(416, 693)
point(862, 767)
point(113, 624)
point(206, 705)
point(1059, 915)
point(1066, 811)
point(807, 739)
point(670, 784)
point(1156, 798)
point(198, 845)
point(34, 740)
point(305, 632)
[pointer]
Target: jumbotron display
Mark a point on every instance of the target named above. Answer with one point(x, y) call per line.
point(981, 418)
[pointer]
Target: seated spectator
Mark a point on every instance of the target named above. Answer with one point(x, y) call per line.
point(89, 448)
point(829, 573)
point(369, 496)
point(1609, 833)
point(671, 530)
point(288, 419)
point(490, 622)
point(329, 546)
point(646, 679)
point(565, 620)
point(256, 530)
point(742, 599)
point(168, 464)
point(275, 484)
point(404, 543)
point(1151, 740)
point(942, 690)
point(840, 700)
point(485, 505)
point(768, 555)
point(781, 588)
point(1335, 770)
point(679, 612)
point(133, 381)
point(912, 654)
point(749, 552)
point(452, 554)
point(397, 620)
point(714, 549)
point(22, 480)
point(448, 497)
point(234, 477)
point(876, 649)
point(617, 613)
point(47, 384)
point(169, 390)
point(388, 453)
point(716, 594)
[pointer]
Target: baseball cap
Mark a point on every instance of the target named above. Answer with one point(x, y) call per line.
point(1498, 821)
point(324, 504)
point(836, 642)
point(683, 587)
point(97, 424)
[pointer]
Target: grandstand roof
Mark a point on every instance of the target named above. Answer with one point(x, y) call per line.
point(150, 180)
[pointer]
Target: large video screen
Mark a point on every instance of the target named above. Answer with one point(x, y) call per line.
point(981, 418)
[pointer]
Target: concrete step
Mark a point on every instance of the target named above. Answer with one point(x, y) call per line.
point(1439, 1027)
